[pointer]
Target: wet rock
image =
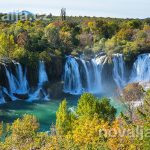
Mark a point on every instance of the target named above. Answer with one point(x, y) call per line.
point(41, 94)
point(21, 96)
point(54, 69)
point(55, 90)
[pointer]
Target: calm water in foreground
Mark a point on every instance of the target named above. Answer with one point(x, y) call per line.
point(44, 111)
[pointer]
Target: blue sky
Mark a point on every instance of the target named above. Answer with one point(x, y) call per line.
point(103, 8)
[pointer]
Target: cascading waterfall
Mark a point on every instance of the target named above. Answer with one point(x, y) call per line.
point(40, 92)
point(80, 75)
point(119, 70)
point(87, 75)
point(96, 76)
point(72, 78)
point(22, 80)
point(42, 74)
point(98, 64)
point(73, 82)
point(20, 84)
point(42, 79)
point(13, 83)
point(141, 69)
point(17, 85)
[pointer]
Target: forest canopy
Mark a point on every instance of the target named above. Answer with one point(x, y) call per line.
point(28, 41)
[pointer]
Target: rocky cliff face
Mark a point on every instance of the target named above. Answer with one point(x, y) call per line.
point(54, 69)
point(3, 77)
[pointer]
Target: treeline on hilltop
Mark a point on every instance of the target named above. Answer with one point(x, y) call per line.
point(29, 41)
point(92, 125)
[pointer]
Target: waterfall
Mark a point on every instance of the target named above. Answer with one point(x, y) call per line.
point(98, 64)
point(13, 83)
point(141, 69)
point(17, 84)
point(95, 76)
point(42, 79)
point(22, 80)
point(119, 70)
point(80, 75)
point(91, 71)
point(40, 93)
point(87, 75)
point(72, 78)
point(42, 73)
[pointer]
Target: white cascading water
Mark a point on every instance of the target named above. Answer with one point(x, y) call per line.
point(98, 64)
point(40, 93)
point(87, 75)
point(17, 85)
point(22, 80)
point(12, 81)
point(141, 69)
point(76, 71)
point(92, 72)
point(72, 78)
point(42, 74)
point(42, 79)
point(96, 77)
point(119, 70)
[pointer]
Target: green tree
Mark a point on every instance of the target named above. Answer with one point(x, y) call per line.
point(23, 132)
point(89, 105)
point(7, 44)
point(63, 119)
point(52, 35)
point(135, 24)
